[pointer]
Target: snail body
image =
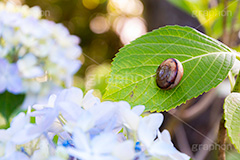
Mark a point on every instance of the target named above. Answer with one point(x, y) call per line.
point(169, 74)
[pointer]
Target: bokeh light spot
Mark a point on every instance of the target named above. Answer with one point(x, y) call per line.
point(129, 28)
point(99, 24)
point(90, 4)
point(128, 7)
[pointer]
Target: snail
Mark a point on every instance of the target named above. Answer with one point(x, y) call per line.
point(169, 74)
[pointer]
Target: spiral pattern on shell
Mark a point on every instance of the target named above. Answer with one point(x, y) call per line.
point(169, 73)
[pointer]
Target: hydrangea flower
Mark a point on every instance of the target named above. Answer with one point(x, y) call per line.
point(73, 126)
point(40, 55)
point(9, 77)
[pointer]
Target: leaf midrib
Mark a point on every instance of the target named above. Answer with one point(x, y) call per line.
point(152, 65)
point(195, 83)
point(217, 53)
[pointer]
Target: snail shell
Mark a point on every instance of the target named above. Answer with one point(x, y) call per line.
point(169, 74)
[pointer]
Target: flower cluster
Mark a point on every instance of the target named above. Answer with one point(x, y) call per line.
point(35, 54)
point(71, 126)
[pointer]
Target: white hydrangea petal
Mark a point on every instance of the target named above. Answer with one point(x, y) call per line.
point(42, 152)
point(28, 66)
point(23, 136)
point(14, 84)
point(73, 52)
point(3, 79)
point(166, 151)
point(56, 127)
point(51, 100)
point(18, 122)
point(130, 119)
point(160, 148)
point(123, 104)
point(89, 100)
point(3, 84)
point(179, 156)
point(26, 62)
point(145, 135)
point(4, 135)
point(2, 149)
point(138, 109)
point(124, 150)
point(70, 111)
point(72, 94)
point(18, 155)
point(79, 154)
point(61, 153)
point(103, 112)
point(86, 121)
point(165, 136)
point(44, 122)
point(9, 78)
point(10, 149)
point(81, 141)
point(103, 143)
point(153, 121)
point(34, 72)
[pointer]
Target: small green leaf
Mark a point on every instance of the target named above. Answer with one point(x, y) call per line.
point(232, 118)
point(55, 139)
point(9, 103)
point(206, 63)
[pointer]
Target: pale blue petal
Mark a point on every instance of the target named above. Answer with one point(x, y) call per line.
point(18, 156)
point(145, 135)
point(138, 109)
point(153, 121)
point(103, 143)
point(23, 136)
point(3, 80)
point(44, 122)
point(124, 150)
point(90, 100)
point(81, 141)
point(70, 111)
point(14, 83)
point(18, 122)
point(72, 94)
point(3, 83)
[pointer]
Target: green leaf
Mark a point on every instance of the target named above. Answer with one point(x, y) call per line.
point(232, 155)
point(182, 5)
point(232, 118)
point(217, 27)
point(200, 9)
point(191, 6)
point(9, 103)
point(206, 63)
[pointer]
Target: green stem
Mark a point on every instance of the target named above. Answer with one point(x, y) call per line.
point(231, 80)
point(237, 56)
point(62, 119)
point(236, 87)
